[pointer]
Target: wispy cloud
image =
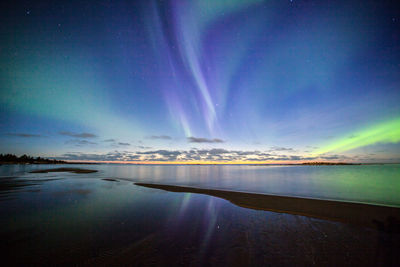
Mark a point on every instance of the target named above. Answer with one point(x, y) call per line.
point(115, 143)
point(79, 142)
point(203, 140)
point(144, 147)
point(24, 135)
point(111, 156)
point(277, 148)
point(124, 144)
point(161, 137)
point(78, 135)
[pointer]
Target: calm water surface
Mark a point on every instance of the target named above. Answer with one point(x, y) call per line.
point(67, 218)
point(377, 184)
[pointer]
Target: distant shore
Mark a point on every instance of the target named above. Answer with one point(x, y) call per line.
point(25, 159)
point(6, 159)
point(45, 163)
point(192, 164)
point(329, 163)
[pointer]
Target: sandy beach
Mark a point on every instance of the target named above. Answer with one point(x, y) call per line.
point(73, 170)
point(375, 216)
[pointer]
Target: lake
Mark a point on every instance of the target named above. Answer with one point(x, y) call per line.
point(375, 184)
point(67, 218)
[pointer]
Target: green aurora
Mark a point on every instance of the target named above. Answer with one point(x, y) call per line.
point(387, 132)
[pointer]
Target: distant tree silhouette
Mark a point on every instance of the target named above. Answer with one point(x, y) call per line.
point(10, 158)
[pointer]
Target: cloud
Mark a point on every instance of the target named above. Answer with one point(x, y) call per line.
point(111, 156)
point(79, 142)
point(124, 144)
point(335, 157)
point(216, 154)
point(277, 148)
point(203, 140)
point(161, 137)
point(144, 147)
point(79, 135)
point(115, 144)
point(161, 152)
point(24, 135)
point(214, 151)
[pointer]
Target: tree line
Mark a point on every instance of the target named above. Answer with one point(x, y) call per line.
point(10, 158)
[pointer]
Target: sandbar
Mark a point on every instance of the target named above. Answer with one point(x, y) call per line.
point(382, 217)
point(73, 170)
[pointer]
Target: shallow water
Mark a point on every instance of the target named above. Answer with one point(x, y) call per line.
point(67, 218)
point(374, 184)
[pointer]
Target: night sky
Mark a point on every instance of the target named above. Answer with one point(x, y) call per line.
point(224, 81)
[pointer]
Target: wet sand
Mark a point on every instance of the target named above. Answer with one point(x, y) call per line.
point(375, 216)
point(236, 236)
point(110, 179)
point(73, 170)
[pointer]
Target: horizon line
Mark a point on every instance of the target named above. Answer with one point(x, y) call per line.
point(221, 162)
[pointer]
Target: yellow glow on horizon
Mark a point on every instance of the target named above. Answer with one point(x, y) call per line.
point(197, 162)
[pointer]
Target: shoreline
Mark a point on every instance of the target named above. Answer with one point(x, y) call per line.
point(384, 218)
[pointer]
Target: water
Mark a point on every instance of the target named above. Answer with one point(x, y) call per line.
point(67, 218)
point(374, 184)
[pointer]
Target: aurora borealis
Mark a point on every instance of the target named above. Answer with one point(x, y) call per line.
point(201, 81)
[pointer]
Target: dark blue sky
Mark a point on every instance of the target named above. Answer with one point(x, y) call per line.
point(163, 80)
